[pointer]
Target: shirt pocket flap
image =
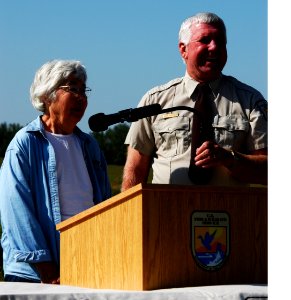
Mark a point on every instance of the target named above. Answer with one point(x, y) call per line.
point(172, 124)
point(231, 123)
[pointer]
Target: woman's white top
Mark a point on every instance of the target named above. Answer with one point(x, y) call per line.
point(75, 188)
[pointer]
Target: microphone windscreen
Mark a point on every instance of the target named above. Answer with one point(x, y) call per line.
point(98, 122)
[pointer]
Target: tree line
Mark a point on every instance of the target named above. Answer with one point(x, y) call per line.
point(111, 141)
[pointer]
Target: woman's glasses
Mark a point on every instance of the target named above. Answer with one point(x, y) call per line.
point(84, 91)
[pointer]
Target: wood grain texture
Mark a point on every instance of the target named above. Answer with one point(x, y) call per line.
point(141, 239)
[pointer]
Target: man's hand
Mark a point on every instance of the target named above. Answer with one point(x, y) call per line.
point(251, 168)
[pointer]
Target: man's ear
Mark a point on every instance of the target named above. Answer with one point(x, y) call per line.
point(183, 50)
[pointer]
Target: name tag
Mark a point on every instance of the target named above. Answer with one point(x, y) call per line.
point(170, 115)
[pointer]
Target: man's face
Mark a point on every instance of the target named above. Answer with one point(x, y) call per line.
point(206, 54)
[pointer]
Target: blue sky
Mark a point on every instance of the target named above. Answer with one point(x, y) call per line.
point(127, 46)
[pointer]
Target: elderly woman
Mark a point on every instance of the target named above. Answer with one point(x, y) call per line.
point(51, 171)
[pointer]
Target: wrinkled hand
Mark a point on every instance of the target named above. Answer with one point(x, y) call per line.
point(49, 272)
point(209, 154)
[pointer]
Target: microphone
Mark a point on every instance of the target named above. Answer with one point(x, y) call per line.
point(100, 121)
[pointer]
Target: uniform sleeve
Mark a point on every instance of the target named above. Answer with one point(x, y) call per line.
point(258, 122)
point(140, 136)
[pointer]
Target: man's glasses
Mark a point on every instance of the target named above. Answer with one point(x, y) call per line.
point(75, 90)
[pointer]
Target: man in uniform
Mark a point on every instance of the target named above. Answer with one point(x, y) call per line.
point(237, 152)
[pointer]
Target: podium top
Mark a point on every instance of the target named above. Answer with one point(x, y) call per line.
point(142, 188)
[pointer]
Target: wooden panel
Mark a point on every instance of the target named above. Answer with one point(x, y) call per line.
point(168, 257)
point(105, 250)
point(141, 239)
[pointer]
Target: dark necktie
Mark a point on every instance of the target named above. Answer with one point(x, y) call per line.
point(202, 131)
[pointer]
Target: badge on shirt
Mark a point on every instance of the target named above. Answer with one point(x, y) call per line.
point(210, 238)
point(170, 115)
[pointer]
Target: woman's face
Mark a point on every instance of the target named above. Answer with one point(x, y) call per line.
point(68, 108)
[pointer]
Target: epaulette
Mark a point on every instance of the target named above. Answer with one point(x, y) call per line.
point(165, 86)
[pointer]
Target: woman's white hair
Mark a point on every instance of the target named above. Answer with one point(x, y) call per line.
point(185, 32)
point(50, 76)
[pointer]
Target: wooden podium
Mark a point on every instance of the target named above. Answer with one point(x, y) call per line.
point(143, 238)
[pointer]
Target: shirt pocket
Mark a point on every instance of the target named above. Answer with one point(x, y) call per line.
point(231, 131)
point(172, 136)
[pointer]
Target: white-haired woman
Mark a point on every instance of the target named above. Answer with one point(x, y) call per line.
point(51, 171)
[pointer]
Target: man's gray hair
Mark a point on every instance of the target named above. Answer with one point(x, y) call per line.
point(185, 32)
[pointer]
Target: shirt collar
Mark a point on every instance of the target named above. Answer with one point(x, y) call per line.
point(37, 125)
point(190, 85)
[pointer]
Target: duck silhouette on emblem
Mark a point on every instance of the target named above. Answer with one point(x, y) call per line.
point(207, 239)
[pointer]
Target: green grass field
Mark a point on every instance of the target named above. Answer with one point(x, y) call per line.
point(115, 177)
